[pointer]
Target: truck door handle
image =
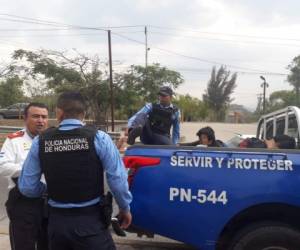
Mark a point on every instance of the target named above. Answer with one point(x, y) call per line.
point(269, 155)
point(184, 152)
point(231, 153)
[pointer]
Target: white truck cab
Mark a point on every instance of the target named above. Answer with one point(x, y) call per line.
point(281, 122)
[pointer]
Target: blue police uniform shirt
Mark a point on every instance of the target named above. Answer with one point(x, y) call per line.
point(176, 120)
point(31, 186)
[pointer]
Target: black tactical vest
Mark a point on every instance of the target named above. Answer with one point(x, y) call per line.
point(70, 164)
point(161, 119)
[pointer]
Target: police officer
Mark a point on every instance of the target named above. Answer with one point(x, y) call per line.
point(27, 229)
point(73, 158)
point(154, 121)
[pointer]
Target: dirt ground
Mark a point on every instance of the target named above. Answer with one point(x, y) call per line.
point(223, 131)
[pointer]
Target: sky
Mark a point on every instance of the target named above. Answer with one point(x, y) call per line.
point(252, 38)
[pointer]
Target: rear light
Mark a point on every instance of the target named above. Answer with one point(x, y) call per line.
point(136, 162)
point(140, 161)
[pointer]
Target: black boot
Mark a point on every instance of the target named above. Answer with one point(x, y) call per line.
point(134, 133)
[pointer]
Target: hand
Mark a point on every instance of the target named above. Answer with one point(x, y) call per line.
point(121, 141)
point(125, 219)
point(126, 131)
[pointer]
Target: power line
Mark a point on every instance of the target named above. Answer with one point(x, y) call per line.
point(50, 29)
point(46, 22)
point(225, 40)
point(41, 22)
point(235, 60)
point(200, 59)
point(128, 38)
point(33, 19)
point(244, 93)
point(17, 18)
point(223, 34)
point(52, 35)
point(202, 71)
point(59, 34)
point(24, 21)
point(129, 32)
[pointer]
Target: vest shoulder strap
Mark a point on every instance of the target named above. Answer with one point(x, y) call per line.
point(175, 108)
point(157, 105)
point(91, 129)
point(48, 132)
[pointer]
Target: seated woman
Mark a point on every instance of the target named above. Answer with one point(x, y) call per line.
point(206, 137)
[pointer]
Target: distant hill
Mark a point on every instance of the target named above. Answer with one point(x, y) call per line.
point(239, 114)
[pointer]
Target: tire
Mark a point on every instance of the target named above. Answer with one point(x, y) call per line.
point(267, 236)
point(1, 117)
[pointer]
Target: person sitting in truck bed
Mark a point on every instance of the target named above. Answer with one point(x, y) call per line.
point(277, 142)
point(206, 137)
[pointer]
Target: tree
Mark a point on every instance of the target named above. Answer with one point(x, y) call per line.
point(294, 77)
point(52, 72)
point(191, 108)
point(61, 71)
point(140, 84)
point(219, 89)
point(281, 99)
point(11, 91)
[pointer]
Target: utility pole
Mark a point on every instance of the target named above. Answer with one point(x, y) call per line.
point(264, 85)
point(112, 101)
point(259, 103)
point(146, 47)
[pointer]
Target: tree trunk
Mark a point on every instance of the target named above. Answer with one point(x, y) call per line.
point(297, 96)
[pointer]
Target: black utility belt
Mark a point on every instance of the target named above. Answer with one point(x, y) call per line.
point(75, 210)
point(15, 193)
point(15, 180)
point(166, 135)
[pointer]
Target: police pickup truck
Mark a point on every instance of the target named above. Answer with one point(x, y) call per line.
point(221, 198)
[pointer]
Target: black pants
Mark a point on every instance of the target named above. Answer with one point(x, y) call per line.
point(78, 229)
point(27, 226)
point(148, 136)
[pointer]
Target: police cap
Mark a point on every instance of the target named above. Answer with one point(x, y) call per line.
point(165, 91)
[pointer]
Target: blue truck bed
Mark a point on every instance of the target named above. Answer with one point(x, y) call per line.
point(207, 197)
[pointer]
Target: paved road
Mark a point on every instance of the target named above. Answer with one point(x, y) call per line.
point(120, 244)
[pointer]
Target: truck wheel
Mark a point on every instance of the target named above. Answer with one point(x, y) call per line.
point(267, 236)
point(1, 117)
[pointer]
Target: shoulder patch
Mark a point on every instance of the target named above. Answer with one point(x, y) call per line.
point(16, 134)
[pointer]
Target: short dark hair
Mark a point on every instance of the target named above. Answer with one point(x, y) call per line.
point(34, 104)
point(285, 142)
point(209, 132)
point(72, 103)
